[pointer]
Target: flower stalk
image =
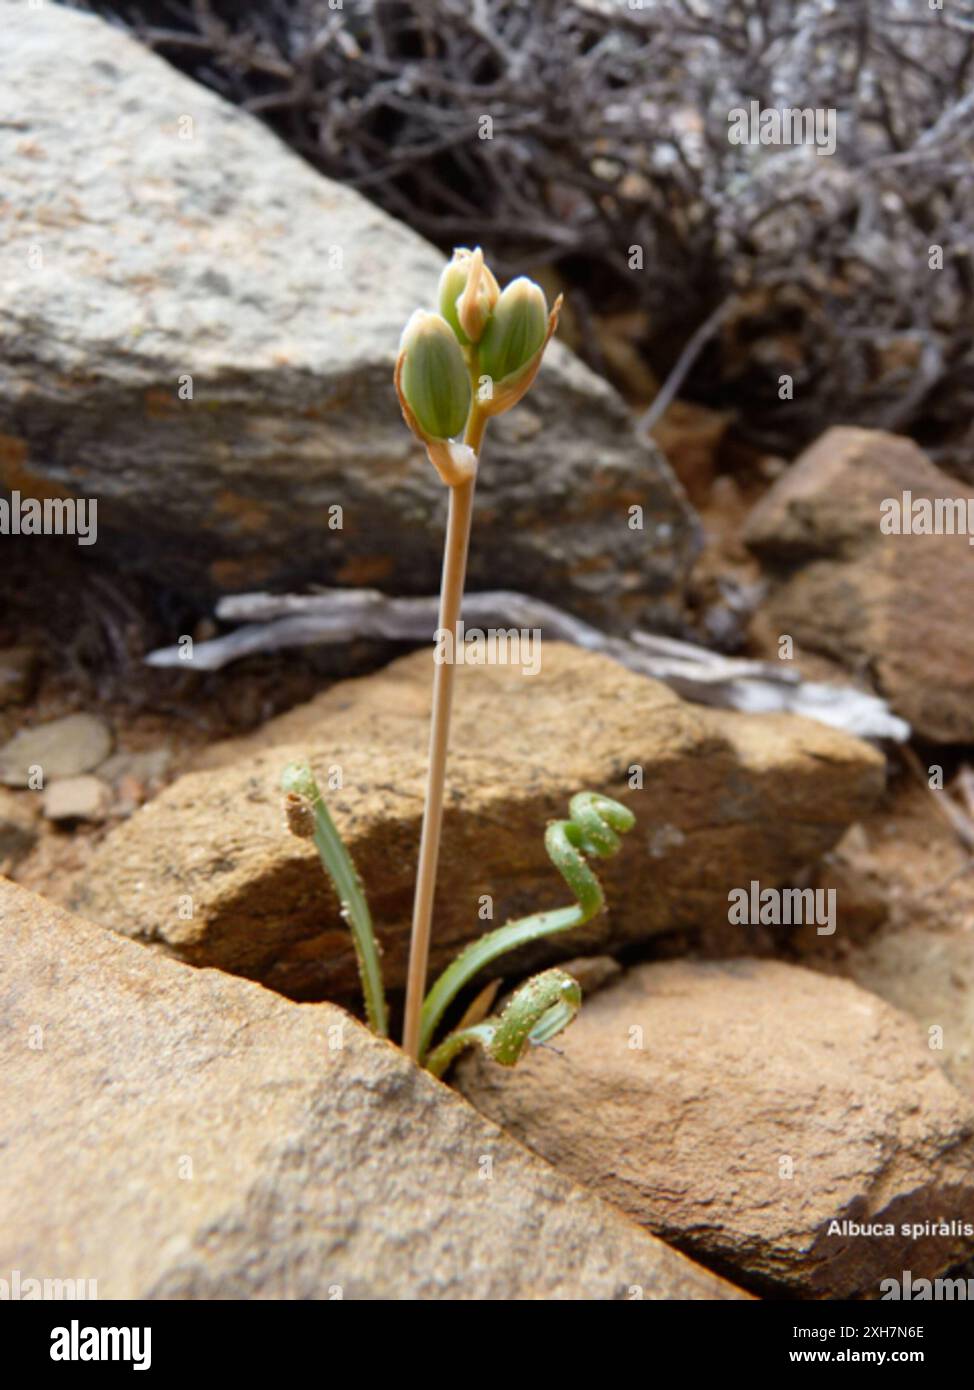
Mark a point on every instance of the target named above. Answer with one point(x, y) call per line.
point(455, 369)
point(456, 546)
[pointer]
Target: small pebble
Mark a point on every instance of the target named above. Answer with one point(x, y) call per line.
point(62, 748)
point(77, 798)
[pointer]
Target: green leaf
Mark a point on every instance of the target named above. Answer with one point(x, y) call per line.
point(298, 781)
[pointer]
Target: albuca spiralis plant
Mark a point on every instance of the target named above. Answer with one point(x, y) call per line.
point(456, 368)
point(474, 358)
point(545, 1004)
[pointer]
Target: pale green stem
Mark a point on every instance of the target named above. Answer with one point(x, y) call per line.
point(451, 599)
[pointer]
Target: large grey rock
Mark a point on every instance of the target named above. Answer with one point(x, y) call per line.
point(179, 239)
point(208, 871)
point(177, 1133)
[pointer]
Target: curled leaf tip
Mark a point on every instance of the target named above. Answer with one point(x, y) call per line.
point(298, 779)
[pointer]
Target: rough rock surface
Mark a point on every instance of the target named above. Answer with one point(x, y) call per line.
point(895, 607)
point(61, 748)
point(930, 976)
point(179, 239)
point(176, 1133)
point(208, 871)
point(764, 1102)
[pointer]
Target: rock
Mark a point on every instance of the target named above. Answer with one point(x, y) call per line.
point(930, 976)
point(738, 1108)
point(896, 606)
point(187, 251)
point(18, 668)
point(77, 798)
point(726, 798)
point(182, 1134)
point(18, 828)
point(62, 748)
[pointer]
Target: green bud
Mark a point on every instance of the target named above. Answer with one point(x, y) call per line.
point(453, 282)
point(515, 331)
point(467, 294)
point(433, 380)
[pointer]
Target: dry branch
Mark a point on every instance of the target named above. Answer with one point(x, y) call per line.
point(278, 622)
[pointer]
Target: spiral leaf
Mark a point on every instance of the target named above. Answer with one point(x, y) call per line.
point(593, 829)
point(541, 1009)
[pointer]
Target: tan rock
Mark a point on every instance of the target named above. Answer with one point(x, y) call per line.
point(930, 976)
point(896, 606)
point(737, 1108)
point(175, 1133)
point(726, 797)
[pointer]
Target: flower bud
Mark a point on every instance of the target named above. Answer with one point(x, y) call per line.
point(432, 379)
point(453, 282)
point(480, 293)
point(515, 332)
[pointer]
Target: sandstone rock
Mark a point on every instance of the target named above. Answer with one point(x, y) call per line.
point(726, 798)
point(18, 828)
point(895, 606)
point(930, 976)
point(737, 1108)
point(77, 798)
point(184, 248)
point(61, 748)
point(180, 1134)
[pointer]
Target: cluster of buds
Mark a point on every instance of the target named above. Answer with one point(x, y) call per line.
point(473, 359)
